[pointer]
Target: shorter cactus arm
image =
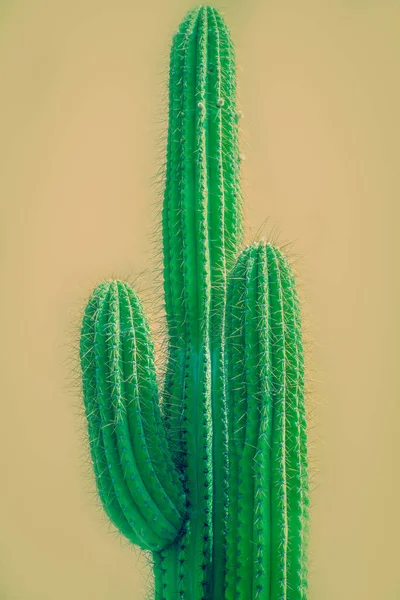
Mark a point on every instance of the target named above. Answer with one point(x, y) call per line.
point(266, 555)
point(137, 480)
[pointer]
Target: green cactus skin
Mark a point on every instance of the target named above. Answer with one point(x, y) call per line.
point(136, 478)
point(210, 475)
point(202, 228)
point(268, 485)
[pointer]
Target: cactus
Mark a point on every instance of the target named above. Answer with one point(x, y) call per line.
point(210, 474)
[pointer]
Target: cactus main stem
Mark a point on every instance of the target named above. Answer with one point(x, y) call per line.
point(201, 232)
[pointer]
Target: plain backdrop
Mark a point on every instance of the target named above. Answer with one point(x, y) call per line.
point(82, 114)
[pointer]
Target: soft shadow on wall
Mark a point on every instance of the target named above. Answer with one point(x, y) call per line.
point(82, 102)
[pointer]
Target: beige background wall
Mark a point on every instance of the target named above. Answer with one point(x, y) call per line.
point(80, 108)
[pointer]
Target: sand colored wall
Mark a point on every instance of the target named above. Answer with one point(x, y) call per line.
point(80, 106)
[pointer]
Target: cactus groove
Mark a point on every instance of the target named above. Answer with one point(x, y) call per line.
point(207, 472)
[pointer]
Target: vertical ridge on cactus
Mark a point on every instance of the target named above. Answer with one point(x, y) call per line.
point(210, 475)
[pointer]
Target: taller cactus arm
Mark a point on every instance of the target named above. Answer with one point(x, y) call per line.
point(268, 511)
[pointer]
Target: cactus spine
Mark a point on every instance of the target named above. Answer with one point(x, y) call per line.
point(212, 479)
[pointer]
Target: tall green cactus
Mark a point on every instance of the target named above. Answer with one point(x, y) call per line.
point(210, 475)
